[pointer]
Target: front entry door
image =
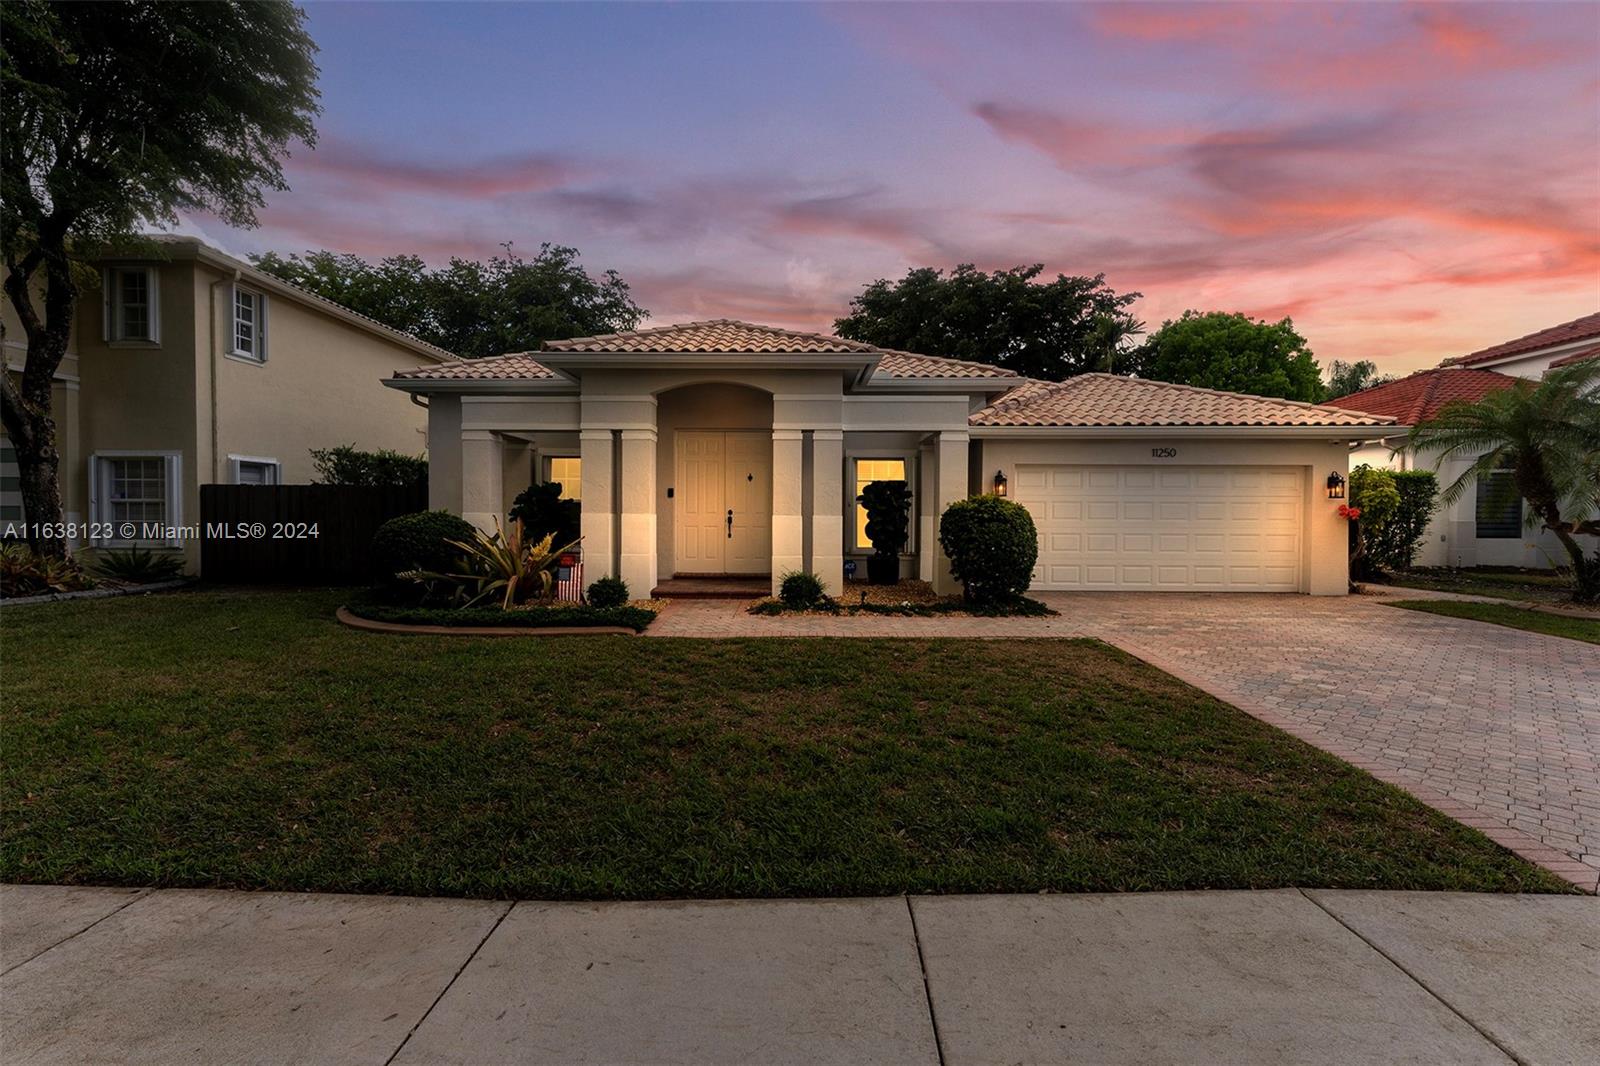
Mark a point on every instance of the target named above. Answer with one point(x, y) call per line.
point(723, 512)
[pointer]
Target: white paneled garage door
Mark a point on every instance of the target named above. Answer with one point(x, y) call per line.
point(1166, 528)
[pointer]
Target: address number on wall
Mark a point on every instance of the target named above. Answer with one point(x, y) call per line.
point(1163, 453)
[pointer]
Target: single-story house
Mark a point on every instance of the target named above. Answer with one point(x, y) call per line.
point(191, 367)
point(728, 448)
point(1486, 526)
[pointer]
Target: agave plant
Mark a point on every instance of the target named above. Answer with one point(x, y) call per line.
point(138, 565)
point(501, 564)
point(24, 573)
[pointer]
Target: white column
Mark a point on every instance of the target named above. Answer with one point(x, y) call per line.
point(827, 508)
point(482, 488)
point(788, 529)
point(952, 486)
point(638, 498)
point(928, 508)
point(595, 450)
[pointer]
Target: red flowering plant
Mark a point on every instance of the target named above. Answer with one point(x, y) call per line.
point(1346, 511)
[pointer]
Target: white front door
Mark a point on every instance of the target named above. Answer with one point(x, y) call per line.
point(723, 502)
point(1161, 528)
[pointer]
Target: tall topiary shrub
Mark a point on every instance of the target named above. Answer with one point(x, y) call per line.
point(543, 512)
point(992, 545)
point(888, 505)
point(1373, 492)
point(418, 541)
point(1394, 545)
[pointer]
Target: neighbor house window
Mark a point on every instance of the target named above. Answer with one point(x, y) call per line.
point(569, 472)
point(1499, 508)
point(10, 483)
point(867, 471)
point(249, 324)
point(132, 310)
point(136, 497)
point(248, 470)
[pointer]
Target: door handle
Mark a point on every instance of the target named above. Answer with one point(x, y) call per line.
point(730, 523)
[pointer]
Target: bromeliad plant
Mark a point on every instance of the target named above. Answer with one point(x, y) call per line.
point(501, 564)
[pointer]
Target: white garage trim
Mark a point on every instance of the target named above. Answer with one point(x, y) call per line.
point(1167, 528)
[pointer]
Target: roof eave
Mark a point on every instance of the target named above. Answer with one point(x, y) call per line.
point(502, 386)
point(1317, 432)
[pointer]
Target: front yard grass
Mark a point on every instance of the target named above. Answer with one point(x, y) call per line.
point(1500, 582)
point(246, 739)
point(1501, 614)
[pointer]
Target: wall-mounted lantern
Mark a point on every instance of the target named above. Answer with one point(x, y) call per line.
point(1335, 486)
point(999, 482)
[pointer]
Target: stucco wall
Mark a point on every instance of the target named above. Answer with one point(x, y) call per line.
point(1325, 563)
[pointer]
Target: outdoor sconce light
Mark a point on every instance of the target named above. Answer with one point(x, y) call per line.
point(1335, 486)
point(999, 482)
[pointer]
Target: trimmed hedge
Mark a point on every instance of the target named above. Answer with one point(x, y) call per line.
point(1395, 545)
point(607, 592)
point(419, 542)
point(577, 615)
point(992, 545)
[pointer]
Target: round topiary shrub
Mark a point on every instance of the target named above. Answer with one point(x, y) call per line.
point(992, 545)
point(418, 542)
point(800, 590)
point(607, 592)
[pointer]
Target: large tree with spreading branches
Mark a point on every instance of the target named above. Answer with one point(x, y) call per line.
point(113, 117)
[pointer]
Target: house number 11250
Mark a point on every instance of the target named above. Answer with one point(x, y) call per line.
point(1163, 453)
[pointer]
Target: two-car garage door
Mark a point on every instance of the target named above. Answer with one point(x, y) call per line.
point(1166, 528)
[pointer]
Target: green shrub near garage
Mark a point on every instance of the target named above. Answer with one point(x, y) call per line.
point(992, 545)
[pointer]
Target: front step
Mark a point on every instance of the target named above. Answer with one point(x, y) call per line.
point(752, 587)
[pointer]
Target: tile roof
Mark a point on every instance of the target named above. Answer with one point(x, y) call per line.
point(910, 365)
point(715, 335)
point(1419, 397)
point(1576, 330)
point(1111, 400)
point(518, 366)
point(1577, 357)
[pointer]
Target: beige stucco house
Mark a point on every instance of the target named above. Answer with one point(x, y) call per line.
point(1486, 526)
point(190, 367)
point(734, 449)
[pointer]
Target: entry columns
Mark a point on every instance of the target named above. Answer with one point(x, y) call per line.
point(637, 554)
point(952, 486)
point(788, 521)
point(598, 455)
point(827, 508)
point(482, 483)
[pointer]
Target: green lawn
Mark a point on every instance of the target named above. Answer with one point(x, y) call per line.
point(1501, 614)
point(1502, 582)
point(240, 738)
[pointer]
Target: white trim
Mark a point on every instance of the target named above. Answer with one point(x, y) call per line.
point(853, 507)
point(264, 460)
point(98, 504)
point(259, 326)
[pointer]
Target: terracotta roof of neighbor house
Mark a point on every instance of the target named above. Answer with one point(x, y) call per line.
point(1111, 400)
point(518, 366)
point(1576, 330)
point(715, 335)
point(1578, 357)
point(1419, 397)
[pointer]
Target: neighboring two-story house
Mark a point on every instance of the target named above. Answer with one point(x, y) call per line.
point(191, 367)
point(1486, 526)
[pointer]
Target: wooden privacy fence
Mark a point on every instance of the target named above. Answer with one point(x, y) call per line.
point(297, 534)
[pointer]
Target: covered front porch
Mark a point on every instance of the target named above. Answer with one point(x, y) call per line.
point(707, 478)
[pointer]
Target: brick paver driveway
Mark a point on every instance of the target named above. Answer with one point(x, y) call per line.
point(1496, 726)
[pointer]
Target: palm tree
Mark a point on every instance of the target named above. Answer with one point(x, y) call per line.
point(1547, 435)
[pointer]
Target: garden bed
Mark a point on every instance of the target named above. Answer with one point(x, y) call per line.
point(909, 599)
point(634, 617)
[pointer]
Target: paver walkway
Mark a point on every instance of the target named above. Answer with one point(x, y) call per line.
point(178, 976)
point(1495, 726)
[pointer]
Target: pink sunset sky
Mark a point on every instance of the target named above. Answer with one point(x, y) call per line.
point(1408, 182)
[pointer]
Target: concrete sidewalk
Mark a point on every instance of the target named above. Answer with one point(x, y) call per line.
point(114, 975)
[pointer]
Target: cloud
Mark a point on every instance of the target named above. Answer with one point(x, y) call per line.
point(1073, 142)
point(481, 179)
point(855, 216)
point(1169, 22)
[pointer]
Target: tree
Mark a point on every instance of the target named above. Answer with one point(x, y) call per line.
point(346, 465)
point(505, 304)
point(1547, 435)
point(1345, 378)
point(1395, 545)
point(1049, 330)
point(1215, 350)
point(114, 116)
point(1375, 495)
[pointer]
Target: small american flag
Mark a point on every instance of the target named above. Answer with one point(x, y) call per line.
point(569, 578)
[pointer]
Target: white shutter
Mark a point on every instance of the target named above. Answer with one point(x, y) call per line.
point(108, 307)
point(261, 326)
point(153, 288)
